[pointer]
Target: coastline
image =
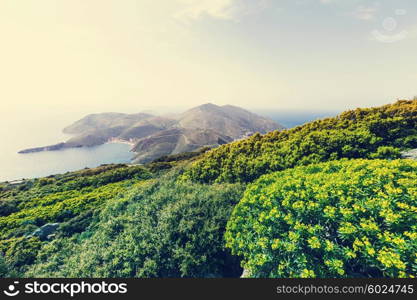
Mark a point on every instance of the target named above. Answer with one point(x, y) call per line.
point(121, 141)
point(45, 163)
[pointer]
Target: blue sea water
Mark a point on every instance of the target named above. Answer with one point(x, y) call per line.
point(293, 118)
point(56, 162)
point(33, 131)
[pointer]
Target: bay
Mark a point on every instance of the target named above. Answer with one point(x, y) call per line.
point(29, 129)
point(25, 130)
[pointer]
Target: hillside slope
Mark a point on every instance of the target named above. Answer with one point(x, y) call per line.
point(175, 141)
point(380, 132)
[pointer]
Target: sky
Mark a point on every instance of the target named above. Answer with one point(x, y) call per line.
point(111, 55)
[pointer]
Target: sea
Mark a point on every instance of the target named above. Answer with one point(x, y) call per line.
point(34, 130)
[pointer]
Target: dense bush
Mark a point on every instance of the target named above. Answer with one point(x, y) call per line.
point(8, 207)
point(4, 269)
point(362, 133)
point(182, 156)
point(77, 224)
point(336, 219)
point(161, 229)
point(19, 253)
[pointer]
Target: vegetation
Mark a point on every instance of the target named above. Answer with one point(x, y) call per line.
point(63, 198)
point(168, 218)
point(182, 156)
point(362, 133)
point(160, 229)
point(335, 219)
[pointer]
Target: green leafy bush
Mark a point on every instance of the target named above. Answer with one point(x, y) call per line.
point(386, 152)
point(77, 224)
point(7, 207)
point(358, 133)
point(182, 156)
point(4, 269)
point(19, 252)
point(335, 219)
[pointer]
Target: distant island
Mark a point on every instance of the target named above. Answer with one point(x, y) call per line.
point(151, 136)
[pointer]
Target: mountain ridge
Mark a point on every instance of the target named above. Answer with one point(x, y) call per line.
point(204, 125)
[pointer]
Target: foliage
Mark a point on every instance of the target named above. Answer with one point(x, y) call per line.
point(57, 208)
point(182, 156)
point(162, 228)
point(335, 219)
point(19, 252)
point(158, 167)
point(77, 224)
point(386, 152)
point(358, 133)
point(16, 196)
point(167, 162)
point(69, 199)
point(4, 269)
point(8, 207)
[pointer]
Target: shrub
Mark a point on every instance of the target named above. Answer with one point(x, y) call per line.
point(20, 252)
point(386, 152)
point(335, 219)
point(7, 207)
point(45, 181)
point(77, 224)
point(4, 270)
point(182, 156)
point(159, 166)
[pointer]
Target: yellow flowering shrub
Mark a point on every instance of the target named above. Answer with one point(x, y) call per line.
point(346, 218)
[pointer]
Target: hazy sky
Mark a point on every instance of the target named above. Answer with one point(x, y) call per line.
point(113, 55)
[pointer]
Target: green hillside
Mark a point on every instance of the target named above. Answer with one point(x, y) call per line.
point(362, 133)
point(168, 218)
